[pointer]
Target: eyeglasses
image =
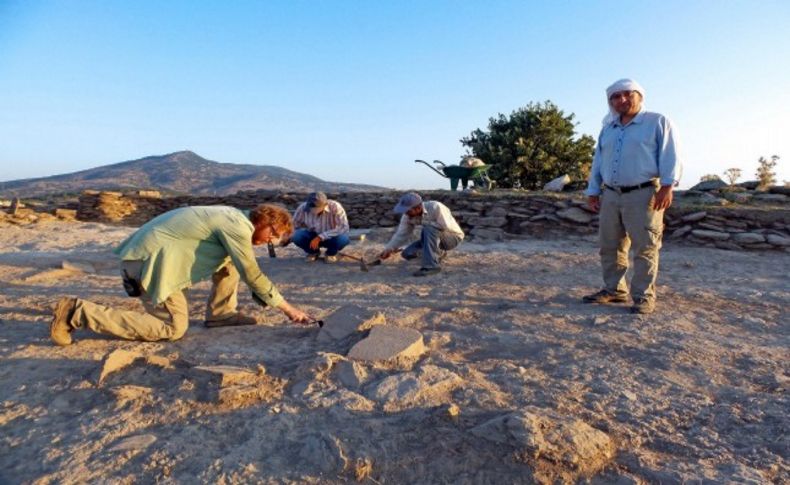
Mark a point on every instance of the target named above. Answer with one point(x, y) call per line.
point(619, 94)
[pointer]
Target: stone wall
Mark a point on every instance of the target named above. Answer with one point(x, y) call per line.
point(484, 216)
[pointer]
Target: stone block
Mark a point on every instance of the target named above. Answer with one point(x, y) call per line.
point(497, 212)
point(487, 221)
point(677, 233)
point(348, 320)
point(350, 374)
point(388, 343)
point(575, 214)
point(488, 233)
point(714, 235)
point(694, 217)
point(748, 238)
point(777, 240)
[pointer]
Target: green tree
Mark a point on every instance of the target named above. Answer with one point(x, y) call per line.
point(765, 171)
point(535, 144)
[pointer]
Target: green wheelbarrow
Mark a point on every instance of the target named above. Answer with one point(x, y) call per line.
point(478, 175)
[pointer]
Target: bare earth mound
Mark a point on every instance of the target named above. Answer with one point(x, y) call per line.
point(519, 382)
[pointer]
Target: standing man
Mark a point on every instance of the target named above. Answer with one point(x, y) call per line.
point(320, 223)
point(172, 252)
point(634, 170)
point(440, 232)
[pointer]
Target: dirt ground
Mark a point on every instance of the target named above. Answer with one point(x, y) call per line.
point(697, 392)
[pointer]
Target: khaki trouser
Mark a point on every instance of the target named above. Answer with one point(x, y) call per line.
point(166, 321)
point(629, 221)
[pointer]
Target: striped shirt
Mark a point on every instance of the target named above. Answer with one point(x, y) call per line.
point(330, 222)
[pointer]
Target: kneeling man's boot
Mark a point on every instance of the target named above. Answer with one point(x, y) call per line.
point(60, 328)
point(233, 320)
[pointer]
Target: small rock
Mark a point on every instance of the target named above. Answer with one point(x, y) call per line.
point(629, 395)
point(488, 233)
point(351, 374)
point(427, 385)
point(135, 443)
point(600, 320)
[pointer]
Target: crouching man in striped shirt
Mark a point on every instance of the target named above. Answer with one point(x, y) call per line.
point(440, 233)
point(320, 223)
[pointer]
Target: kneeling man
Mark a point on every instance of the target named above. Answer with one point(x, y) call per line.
point(440, 232)
point(172, 252)
point(320, 223)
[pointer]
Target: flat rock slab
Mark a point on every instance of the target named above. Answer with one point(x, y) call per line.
point(575, 214)
point(348, 320)
point(388, 342)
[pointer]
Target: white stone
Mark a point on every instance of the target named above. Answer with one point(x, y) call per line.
point(388, 342)
point(348, 320)
point(557, 184)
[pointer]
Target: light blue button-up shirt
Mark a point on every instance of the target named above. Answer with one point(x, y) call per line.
point(644, 149)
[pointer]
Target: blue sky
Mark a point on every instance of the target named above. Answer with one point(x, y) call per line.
point(354, 91)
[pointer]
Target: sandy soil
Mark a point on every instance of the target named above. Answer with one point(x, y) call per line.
point(697, 392)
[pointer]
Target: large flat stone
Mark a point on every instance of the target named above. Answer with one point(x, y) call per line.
point(714, 235)
point(387, 342)
point(748, 238)
point(348, 320)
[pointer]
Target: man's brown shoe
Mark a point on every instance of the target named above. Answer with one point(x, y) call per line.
point(604, 297)
point(234, 320)
point(643, 306)
point(60, 328)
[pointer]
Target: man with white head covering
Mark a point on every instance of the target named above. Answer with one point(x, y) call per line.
point(440, 232)
point(635, 168)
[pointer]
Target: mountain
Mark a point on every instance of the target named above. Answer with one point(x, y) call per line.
point(182, 172)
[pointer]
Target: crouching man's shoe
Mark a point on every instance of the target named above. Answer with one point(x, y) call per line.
point(60, 328)
point(234, 320)
point(427, 271)
point(604, 297)
point(643, 306)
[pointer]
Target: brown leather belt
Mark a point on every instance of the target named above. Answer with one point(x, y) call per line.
point(631, 188)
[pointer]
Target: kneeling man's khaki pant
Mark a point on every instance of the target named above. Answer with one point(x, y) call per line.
point(628, 220)
point(166, 321)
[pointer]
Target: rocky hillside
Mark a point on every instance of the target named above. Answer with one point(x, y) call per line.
point(179, 173)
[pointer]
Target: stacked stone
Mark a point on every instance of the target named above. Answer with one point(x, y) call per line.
point(483, 216)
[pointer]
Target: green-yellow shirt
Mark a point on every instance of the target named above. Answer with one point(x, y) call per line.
point(184, 246)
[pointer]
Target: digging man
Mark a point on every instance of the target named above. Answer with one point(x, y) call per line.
point(635, 168)
point(172, 252)
point(440, 233)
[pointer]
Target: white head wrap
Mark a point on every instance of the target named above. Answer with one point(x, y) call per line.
point(620, 85)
